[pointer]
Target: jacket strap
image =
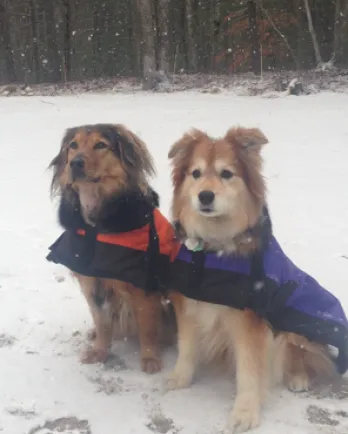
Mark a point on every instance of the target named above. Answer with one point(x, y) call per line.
point(90, 239)
point(196, 269)
point(260, 292)
point(153, 280)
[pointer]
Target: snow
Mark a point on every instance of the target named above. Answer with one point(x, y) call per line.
point(44, 318)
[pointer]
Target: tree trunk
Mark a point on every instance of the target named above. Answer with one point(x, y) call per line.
point(34, 31)
point(148, 36)
point(216, 32)
point(97, 34)
point(191, 43)
point(6, 37)
point(53, 59)
point(301, 43)
point(135, 38)
point(340, 30)
point(254, 37)
point(67, 40)
point(318, 58)
point(162, 14)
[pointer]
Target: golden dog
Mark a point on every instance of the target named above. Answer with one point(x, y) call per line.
point(219, 193)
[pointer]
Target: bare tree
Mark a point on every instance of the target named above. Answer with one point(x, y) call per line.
point(6, 38)
point(191, 44)
point(67, 39)
point(97, 36)
point(254, 37)
point(148, 36)
point(340, 30)
point(36, 66)
point(162, 14)
point(269, 18)
point(318, 58)
point(53, 60)
point(216, 30)
point(135, 37)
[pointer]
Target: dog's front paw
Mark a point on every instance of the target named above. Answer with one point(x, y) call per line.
point(298, 383)
point(245, 415)
point(151, 365)
point(93, 355)
point(178, 380)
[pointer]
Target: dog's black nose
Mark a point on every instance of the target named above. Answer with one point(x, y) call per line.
point(206, 197)
point(77, 163)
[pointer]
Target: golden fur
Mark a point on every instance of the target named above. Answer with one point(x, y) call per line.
point(115, 160)
point(230, 168)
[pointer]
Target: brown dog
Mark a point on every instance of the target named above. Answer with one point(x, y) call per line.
point(101, 174)
point(219, 195)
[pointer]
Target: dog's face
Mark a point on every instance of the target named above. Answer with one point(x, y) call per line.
point(209, 184)
point(100, 161)
point(217, 179)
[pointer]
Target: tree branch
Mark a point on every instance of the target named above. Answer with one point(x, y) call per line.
point(279, 32)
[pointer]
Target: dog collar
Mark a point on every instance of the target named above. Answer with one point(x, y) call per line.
point(194, 245)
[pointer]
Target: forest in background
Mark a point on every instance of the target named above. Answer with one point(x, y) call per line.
point(52, 41)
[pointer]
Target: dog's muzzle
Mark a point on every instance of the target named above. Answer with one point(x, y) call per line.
point(77, 166)
point(206, 201)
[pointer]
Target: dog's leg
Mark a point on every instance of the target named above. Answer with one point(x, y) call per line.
point(296, 376)
point(101, 310)
point(184, 369)
point(251, 340)
point(289, 363)
point(303, 362)
point(148, 314)
point(92, 333)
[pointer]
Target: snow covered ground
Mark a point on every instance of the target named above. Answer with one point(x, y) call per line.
point(43, 316)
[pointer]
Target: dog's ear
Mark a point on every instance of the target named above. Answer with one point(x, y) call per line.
point(180, 153)
point(248, 139)
point(59, 161)
point(132, 150)
point(247, 143)
point(184, 146)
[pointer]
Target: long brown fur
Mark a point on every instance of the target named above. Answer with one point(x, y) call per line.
point(206, 330)
point(125, 310)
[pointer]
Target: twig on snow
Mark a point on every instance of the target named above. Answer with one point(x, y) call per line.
point(51, 103)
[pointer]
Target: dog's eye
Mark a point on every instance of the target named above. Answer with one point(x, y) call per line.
point(73, 145)
point(100, 145)
point(196, 173)
point(226, 174)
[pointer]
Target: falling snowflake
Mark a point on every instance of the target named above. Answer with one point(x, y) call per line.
point(259, 285)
